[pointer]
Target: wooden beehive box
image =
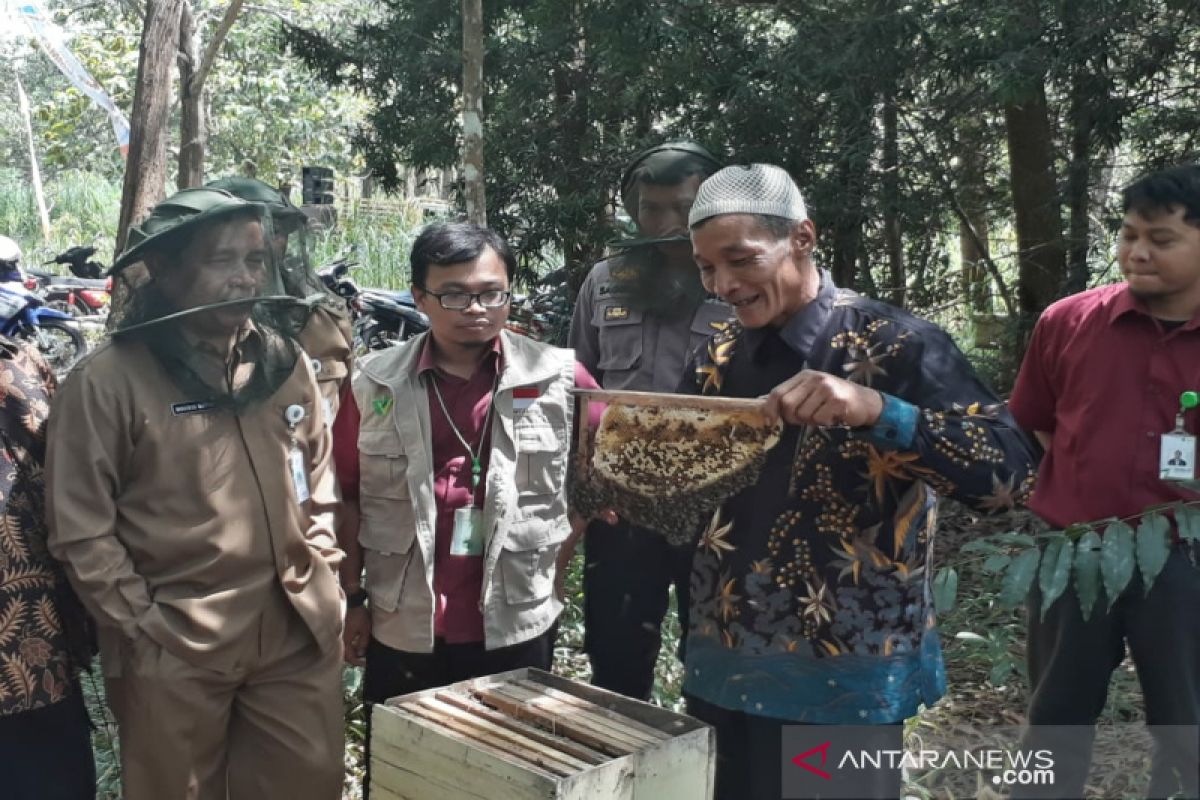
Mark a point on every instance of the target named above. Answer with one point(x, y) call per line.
point(528, 734)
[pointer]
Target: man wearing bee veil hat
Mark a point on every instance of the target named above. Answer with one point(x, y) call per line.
point(190, 499)
point(326, 337)
point(639, 315)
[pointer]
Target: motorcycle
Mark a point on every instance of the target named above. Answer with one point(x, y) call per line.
point(84, 295)
point(545, 313)
point(381, 317)
point(55, 333)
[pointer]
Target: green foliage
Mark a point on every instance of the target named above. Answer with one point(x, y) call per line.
point(379, 244)
point(1153, 547)
point(945, 589)
point(1019, 577)
point(264, 111)
point(1078, 556)
point(1087, 571)
point(1187, 522)
point(1055, 571)
point(1116, 560)
point(82, 208)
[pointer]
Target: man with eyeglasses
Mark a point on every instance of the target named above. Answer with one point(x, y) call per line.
point(454, 449)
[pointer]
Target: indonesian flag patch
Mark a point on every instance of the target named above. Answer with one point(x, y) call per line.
point(524, 397)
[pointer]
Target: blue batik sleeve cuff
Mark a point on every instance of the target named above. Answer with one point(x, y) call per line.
point(896, 427)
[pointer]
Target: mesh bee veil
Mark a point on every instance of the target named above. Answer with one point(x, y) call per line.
point(175, 225)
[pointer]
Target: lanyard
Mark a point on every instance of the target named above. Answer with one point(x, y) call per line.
point(476, 463)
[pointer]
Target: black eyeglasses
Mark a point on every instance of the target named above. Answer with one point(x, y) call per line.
point(461, 301)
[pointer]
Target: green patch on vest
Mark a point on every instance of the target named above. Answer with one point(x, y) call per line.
point(383, 405)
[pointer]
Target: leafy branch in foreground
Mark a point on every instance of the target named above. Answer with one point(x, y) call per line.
point(1096, 558)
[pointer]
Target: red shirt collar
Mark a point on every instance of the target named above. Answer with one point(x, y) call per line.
point(1124, 302)
point(426, 362)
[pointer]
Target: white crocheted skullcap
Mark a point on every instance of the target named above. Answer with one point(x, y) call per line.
point(748, 189)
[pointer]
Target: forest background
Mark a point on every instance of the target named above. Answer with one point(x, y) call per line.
point(961, 158)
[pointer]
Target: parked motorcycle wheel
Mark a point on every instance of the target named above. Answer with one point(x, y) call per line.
point(374, 336)
point(76, 309)
point(59, 342)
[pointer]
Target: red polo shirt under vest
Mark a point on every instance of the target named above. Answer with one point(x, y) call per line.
point(457, 580)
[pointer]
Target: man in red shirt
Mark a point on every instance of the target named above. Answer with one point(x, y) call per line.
point(1100, 387)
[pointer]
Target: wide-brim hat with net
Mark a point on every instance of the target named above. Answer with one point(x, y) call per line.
point(285, 216)
point(749, 189)
point(172, 218)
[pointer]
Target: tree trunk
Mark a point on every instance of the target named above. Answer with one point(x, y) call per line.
point(1078, 197)
point(848, 220)
point(857, 119)
point(146, 165)
point(472, 114)
point(146, 170)
point(975, 281)
point(973, 229)
point(1042, 258)
point(192, 133)
point(897, 280)
point(572, 79)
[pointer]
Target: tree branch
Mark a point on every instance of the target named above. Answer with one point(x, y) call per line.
point(952, 197)
point(214, 44)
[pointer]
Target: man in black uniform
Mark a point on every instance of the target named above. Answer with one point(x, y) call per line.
point(639, 316)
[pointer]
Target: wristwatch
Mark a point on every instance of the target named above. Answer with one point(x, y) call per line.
point(357, 598)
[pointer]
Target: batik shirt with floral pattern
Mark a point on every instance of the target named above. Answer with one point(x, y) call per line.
point(35, 669)
point(810, 596)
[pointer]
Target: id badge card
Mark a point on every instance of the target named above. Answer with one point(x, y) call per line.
point(467, 539)
point(1177, 457)
point(299, 474)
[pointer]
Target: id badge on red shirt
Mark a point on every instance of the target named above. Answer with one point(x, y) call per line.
point(467, 538)
point(1177, 456)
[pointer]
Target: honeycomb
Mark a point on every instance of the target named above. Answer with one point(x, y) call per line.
point(668, 468)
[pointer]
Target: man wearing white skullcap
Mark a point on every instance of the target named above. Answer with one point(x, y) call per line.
point(810, 598)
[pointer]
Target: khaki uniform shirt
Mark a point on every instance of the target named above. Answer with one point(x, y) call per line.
point(627, 349)
point(180, 523)
point(328, 340)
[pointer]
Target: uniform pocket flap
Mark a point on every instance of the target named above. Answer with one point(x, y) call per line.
point(329, 369)
point(396, 540)
point(537, 439)
point(534, 534)
point(380, 443)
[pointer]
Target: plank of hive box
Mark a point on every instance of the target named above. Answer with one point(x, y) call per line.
point(577, 729)
point(534, 698)
point(626, 722)
point(582, 752)
point(545, 697)
point(529, 749)
point(502, 749)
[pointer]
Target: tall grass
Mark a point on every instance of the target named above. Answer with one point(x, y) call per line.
point(84, 207)
point(379, 243)
point(83, 210)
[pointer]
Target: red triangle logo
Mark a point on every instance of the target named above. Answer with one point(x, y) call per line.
point(802, 762)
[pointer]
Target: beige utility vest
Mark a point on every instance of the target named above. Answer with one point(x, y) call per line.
point(525, 506)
